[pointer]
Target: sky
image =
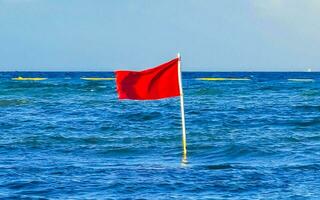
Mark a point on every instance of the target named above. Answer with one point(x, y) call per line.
point(210, 35)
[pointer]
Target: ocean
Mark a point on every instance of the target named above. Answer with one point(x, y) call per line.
point(67, 138)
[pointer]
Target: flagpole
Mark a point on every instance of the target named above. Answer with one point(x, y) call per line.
point(184, 137)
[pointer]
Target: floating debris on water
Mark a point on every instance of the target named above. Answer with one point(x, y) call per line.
point(28, 79)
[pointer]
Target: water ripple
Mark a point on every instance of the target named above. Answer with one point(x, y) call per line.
point(72, 139)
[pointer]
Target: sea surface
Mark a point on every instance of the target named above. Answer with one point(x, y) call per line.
point(67, 138)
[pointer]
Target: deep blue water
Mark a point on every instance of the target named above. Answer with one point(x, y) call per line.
point(67, 138)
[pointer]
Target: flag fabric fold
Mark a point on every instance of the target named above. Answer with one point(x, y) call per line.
point(151, 84)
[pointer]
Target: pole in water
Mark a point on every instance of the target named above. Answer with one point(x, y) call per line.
point(184, 137)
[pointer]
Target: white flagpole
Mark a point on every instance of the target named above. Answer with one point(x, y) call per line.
point(184, 137)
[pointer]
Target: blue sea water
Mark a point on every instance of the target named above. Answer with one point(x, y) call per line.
point(67, 138)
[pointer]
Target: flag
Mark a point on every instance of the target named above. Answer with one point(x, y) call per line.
point(160, 82)
point(151, 84)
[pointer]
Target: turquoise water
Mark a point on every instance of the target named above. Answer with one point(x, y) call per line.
point(66, 138)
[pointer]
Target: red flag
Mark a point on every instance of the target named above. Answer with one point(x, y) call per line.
point(155, 83)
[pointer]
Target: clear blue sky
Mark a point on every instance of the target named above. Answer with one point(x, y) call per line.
point(211, 35)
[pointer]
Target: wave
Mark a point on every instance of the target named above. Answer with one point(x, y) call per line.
point(13, 102)
point(305, 123)
point(207, 91)
point(311, 93)
point(141, 116)
point(301, 80)
point(307, 107)
point(53, 140)
point(303, 167)
point(217, 166)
